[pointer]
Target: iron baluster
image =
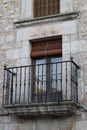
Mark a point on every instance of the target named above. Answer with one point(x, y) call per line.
point(11, 96)
point(73, 83)
point(29, 83)
point(24, 83)
point(33, 83)
point(71, 78)
point(7, 90)
point(61, 93)
point(42, 95)
point(20, 83)
point(3, 96)
point(77, 84)
point(16, 86)
point(66, 80)
point(51, 83)
point(56, 82)
point(47, 94)
point(38, 81)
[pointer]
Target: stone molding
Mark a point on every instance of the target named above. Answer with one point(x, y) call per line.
point(51, 18)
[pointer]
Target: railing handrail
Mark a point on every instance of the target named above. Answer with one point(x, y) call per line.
point(78, 67)
point(7, 68)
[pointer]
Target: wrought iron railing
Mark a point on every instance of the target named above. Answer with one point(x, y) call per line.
point(42, 83)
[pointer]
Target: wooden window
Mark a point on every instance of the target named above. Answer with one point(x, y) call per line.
point(46, 7)
point(47, 71)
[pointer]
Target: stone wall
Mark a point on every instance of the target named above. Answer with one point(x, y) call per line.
point(9, 12)
point(14, 41)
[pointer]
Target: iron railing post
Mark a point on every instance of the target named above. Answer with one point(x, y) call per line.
point(71, 59)
point(11, 97)
point(3, 96)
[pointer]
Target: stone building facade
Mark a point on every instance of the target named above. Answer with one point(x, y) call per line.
point(18, 31)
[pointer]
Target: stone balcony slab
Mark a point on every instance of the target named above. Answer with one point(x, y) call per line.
point(66, 108)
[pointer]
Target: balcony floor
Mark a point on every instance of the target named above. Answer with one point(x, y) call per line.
point(66, 108)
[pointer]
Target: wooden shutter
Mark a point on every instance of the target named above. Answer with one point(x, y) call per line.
point(46, 48)
point(46, 7)
point(37, 8)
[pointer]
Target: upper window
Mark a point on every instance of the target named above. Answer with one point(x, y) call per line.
point(46, 7)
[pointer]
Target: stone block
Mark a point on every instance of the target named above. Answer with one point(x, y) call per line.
point(6, 126)
point(17, 53)
point(14, 126)
point(9, 38)
point(26, 126)
point(80, 125)
point(1, 127)
point(66, 6)
point(23, 61)
point(26, 11)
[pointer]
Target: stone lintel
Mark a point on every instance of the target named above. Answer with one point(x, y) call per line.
point(51, 18)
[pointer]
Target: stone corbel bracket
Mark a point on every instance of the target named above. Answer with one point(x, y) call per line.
point(46, 19)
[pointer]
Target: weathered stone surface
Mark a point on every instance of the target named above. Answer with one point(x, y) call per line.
point(28, 126)
point(15, 48)
point(1, 126)
point(80, 125)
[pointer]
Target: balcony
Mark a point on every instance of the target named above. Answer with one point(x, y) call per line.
point(35, 90)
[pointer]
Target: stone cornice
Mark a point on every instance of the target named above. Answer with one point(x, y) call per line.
point(52, 18)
